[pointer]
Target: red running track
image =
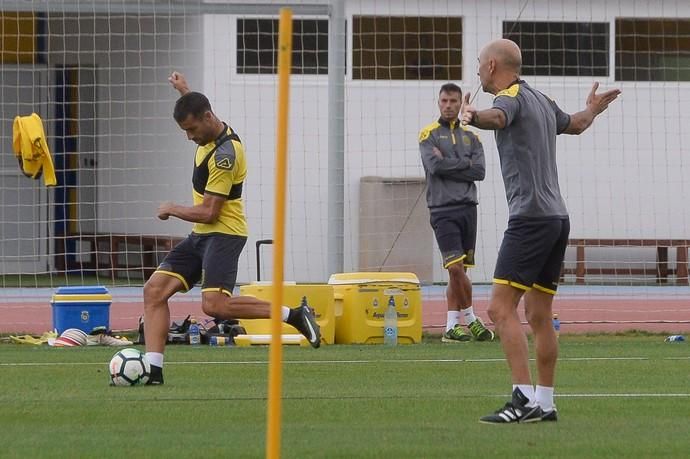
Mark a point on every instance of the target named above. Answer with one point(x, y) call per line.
point(578, 313)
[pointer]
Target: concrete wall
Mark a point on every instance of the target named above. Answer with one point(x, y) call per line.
point(394, 231)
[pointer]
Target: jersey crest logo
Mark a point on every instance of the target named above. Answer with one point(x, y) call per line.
point(466, 140)
point(224, 163)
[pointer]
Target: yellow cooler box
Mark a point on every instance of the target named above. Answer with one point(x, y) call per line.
point(362, 298)
point(319, 297)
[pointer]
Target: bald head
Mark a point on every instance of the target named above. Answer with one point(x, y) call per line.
point(506, 53)
point(499, 65)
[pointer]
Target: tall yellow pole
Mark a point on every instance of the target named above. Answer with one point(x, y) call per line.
point(275, 366)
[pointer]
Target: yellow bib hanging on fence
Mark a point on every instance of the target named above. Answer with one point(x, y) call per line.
point(31, 148)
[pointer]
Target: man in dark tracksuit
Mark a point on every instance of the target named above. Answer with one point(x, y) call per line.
point(453, 160)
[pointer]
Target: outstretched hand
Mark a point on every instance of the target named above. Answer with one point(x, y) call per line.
point(467, 110)
point(597, 103)
point(179, 82)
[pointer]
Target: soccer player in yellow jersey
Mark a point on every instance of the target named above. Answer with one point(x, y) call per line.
point(210, 253)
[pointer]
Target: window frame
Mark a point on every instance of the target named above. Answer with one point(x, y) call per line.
point(235, 48)
point(394, 82)
point(631, 18)
point(609, 53)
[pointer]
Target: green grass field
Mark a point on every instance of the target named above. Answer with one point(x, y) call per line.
point(617, 397)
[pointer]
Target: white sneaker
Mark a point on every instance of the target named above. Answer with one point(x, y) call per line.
point(107, 340)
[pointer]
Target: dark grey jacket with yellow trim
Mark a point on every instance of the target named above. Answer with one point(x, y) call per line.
point(450, 179)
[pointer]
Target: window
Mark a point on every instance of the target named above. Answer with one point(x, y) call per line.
point(561, 48)
point(257, 46)
point(652, 49)
point(18, 37)
point(407, 48)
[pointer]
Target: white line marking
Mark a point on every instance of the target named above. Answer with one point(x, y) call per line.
point(599, 395)
point(621, 395)
point(336, 362)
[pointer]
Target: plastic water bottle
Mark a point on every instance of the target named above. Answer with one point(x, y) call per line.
point(674, 338)
point(390, 324)
point(556, 325)
point(194, 333)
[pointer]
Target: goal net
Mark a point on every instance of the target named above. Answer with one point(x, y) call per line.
point(96, 73)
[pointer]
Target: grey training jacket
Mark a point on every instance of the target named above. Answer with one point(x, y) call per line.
point(450, 180)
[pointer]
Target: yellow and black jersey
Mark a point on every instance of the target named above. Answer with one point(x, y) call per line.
point(220, 169)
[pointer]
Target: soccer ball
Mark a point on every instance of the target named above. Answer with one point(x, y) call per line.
point(129, 367)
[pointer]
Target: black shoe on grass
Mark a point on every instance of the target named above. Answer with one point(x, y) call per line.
point(550, 415)
point(480, 332)
point(515, 411)
point(302, 318)
point(156, 377)
point(456, 335)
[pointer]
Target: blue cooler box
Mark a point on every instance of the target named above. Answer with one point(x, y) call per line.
point(81, 307)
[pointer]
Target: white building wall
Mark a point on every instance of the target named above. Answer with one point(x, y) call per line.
point(625, 177)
